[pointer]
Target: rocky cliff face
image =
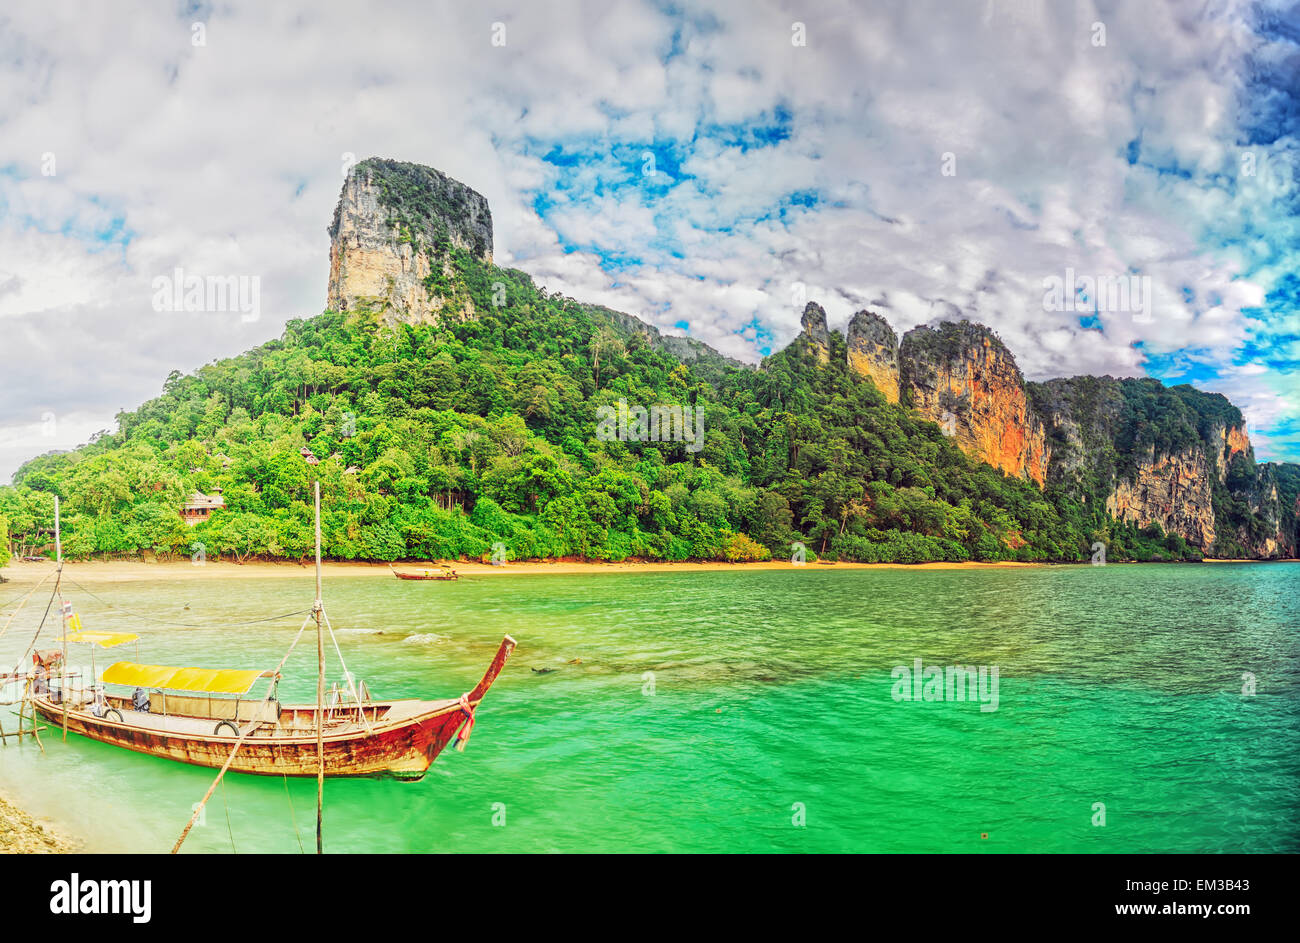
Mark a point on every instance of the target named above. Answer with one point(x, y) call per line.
point(1176, 457)
point(393, 227)
point(1171, 490)
point(1089, 423)
point(1270, 528)
point(1257, 522)
point(815, 332)
point(1228, 441)
point(873, 352)
point(1146, 454)
point(1082, 417)
point(963, 378)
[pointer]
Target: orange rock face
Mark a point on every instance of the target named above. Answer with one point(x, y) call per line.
point(1229, 441)
point(873, 352)
point(886, 380)
point(1172, 491)
point(1236, 440)
point(964, 379)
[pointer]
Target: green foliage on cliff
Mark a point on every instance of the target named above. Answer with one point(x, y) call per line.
point(419, 201)
point(1114, 427)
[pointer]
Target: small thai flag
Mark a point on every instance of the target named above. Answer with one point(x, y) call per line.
point(67, 608)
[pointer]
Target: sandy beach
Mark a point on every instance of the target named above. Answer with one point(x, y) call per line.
point(25, 574)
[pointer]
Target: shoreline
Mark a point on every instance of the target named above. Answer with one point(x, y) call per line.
point(20, 834)
point(23, 574)
point(26, 574)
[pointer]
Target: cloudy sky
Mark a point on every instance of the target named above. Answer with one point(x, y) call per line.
point(705, 166)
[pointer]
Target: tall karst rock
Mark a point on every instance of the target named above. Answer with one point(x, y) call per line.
point(963, 378)
point(1172, 490)
point(393, 227)
point(815, 332)
point(873, 352)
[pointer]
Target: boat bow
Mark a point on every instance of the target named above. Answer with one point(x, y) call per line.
point(469, 702)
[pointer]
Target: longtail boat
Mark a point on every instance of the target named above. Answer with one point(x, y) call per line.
point(197, 715)
point(446, 574)
point(205, 717)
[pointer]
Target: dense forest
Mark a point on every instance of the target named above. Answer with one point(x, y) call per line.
point(443, 441)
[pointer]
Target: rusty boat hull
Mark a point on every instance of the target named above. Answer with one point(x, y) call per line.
point(400, 739)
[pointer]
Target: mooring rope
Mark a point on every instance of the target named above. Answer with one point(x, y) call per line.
point(198, 809)
point(7, 602)
point(347, 674)
point(186, 625)
point(229, 831)
point(22, 659)
point(293, 818)
point(13, 615)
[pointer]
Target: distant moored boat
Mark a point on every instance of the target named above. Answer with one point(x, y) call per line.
point(447, 573)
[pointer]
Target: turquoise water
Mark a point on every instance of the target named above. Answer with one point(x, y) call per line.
point(769, 702)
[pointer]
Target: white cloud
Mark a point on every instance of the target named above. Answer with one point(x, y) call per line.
point(226, 159)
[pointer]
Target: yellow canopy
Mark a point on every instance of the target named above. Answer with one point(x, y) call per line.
point(102, 639)
point(196, 680)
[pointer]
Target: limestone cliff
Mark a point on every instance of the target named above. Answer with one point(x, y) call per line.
point(1268, 528)
point(1083, 418)
point(1170, 490)
point(393, 228)
point(1134, 449)
point(963, 378)
point(873, 352)
point(1258, 520)
point(1176, 457)
point(1228, 441)
point(1140, 452)
point(815, 332)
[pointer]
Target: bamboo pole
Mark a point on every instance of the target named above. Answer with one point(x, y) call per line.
point(36, 735)
point(320, 688)
point(63, 618)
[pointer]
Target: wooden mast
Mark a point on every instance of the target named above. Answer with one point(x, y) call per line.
point(63, 615)
point(320, 686)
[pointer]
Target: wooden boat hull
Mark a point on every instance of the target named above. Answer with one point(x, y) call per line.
point(402, 747)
